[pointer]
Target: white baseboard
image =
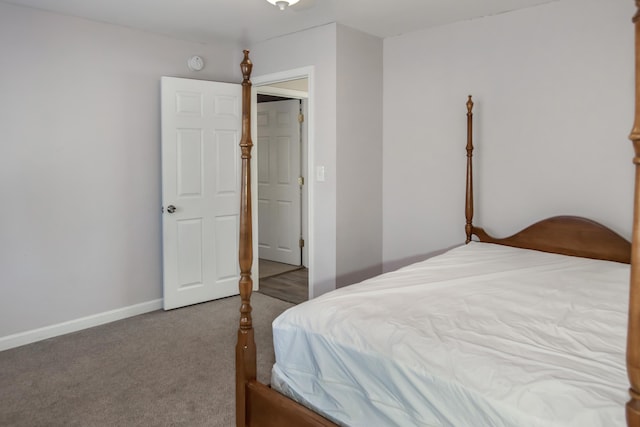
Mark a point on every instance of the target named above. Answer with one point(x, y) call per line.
point(28, 337)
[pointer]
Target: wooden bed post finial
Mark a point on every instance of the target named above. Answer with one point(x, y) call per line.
point(468, 228)
point(246, 66)
point(633, 332)
point(246, 346)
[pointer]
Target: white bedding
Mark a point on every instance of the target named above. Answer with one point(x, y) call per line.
point(483, 335)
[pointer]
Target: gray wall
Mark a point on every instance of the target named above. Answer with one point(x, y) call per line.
point(359, 156)
point(80, 163)
point(553, 87)
point(346, 98)
point(313, 48)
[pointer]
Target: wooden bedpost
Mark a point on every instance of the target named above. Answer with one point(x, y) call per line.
point(633, 332)
point(246, 346)
point(468, 228)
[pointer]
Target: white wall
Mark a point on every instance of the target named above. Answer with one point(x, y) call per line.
point(80, 163)
point(553, 87)
point(359, 156)
point(313, 48)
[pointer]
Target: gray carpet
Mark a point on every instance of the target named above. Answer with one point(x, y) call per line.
point(171, 368)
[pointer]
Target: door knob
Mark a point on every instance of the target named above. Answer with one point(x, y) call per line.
point(171, 209)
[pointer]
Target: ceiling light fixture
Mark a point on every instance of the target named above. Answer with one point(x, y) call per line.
point(283, 4)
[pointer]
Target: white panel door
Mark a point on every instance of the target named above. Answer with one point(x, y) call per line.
point(278, 186)
point(201, 130)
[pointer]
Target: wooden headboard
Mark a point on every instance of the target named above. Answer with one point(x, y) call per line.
point(566, 235)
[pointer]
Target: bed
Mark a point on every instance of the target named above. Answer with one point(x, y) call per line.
point(490, 357)
point(483, 335)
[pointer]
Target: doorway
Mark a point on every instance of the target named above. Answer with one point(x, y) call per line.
point(283, 223)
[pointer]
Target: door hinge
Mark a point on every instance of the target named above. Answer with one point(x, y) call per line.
point(301, 243)
point(301, 181)
point(300, 118)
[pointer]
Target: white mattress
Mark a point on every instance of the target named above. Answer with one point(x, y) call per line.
point(483, 335)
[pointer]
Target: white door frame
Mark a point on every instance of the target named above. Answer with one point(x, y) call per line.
point(268, 79)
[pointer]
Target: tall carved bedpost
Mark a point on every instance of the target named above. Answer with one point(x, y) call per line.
point(246, 346)
point(468, 228)
point(633, 332)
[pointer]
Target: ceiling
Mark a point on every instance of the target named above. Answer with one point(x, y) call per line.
point(245, 22)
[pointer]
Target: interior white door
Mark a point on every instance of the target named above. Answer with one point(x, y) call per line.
point(278, 186)
point(201, 130)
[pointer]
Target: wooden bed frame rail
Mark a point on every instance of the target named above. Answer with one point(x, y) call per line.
point(258, 405)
